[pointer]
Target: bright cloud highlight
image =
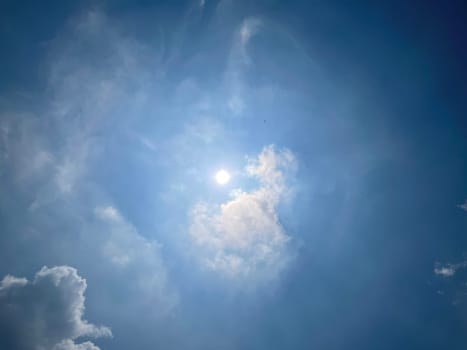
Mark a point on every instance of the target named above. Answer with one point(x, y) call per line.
point(243, 237)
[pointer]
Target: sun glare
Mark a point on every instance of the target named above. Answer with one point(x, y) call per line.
point(222, 177)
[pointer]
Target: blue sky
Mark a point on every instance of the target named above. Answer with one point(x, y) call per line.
point(343, 129)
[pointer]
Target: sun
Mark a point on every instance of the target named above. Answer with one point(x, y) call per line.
point(222, 177)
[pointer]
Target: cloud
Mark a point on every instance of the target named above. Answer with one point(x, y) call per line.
point(71, 345)
point(243, 237)
point(236, 104)
point(24, 154)
point(463, 206)
point(108, 213)
point(248, 28)
point(239, 60)
point(445, 271)
point(88, 80)
point(90, 68)
point(47, 312)
point(12, 282)
point(449, 270)
point(138, 258)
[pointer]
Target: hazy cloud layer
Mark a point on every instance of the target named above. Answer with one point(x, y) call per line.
point(97, 83)
point(133, 255)
point(47, 312)
point(95, 79)
point(239, 60)
point(244, 237)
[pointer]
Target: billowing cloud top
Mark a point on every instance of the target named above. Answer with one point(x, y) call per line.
point(47, 312)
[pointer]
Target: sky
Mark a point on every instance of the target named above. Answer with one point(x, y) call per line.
point(340, 133)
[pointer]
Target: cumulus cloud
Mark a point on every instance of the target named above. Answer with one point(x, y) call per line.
point(47, 312)
point(244, 237)
point(71, 345)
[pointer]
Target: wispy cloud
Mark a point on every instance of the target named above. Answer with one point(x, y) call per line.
point(138, 257)
point(50, 308)
point(248, 28)
point(239, 60)
point(243, 238)
point(463, 206)
point(96, 84)
point(449, 270)
point(87, 96)
point(24, 151)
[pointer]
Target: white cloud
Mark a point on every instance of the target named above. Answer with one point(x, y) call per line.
point(87, 93)
point(23, 152)
point(243, 237)
point(248, 28)
point(10, 281)
point(107, 213)
point(47, 312)
point(71, 345)
point(271, 167)
point(445, 271)
point(68, 173)
point(138, 257)
point(238, 61)
point(449, 270)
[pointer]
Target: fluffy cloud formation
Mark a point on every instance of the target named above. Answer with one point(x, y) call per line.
point(70, 345)
point(244, 237)
point(47, 312)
